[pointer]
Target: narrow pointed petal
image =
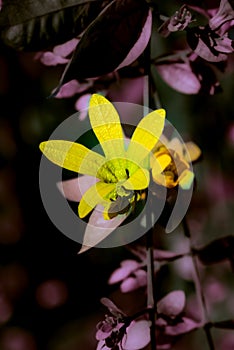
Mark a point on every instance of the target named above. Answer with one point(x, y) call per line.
point(146, 136)
point(186, 179)
point(111, 307)
point(138, 181)
point(93, 196)
point(159, 164)
point(105, 122)
point(98, 228)
point(193, 151)
point(72, 156)
point(74, 189)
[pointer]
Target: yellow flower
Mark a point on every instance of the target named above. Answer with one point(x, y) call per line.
point(178, 172)
point(120, 174)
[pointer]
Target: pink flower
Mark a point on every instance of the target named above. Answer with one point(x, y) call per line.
point(72, 88)
point(188, 75)
point(132, 274)
point(172, 304)
point(211, 41)
point(177, 22)
point(136, 337)
point(119, 331)
point(59, 55)
point(171, 322)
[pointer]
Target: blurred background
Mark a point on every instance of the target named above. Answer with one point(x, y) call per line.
point(49, 296)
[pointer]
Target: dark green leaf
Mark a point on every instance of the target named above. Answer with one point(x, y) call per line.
point(107, 40)
point(16, 12)
point(35, 25)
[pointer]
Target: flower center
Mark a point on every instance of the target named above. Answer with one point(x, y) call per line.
point(116, 170)
point(113, 171)
point(121, 199)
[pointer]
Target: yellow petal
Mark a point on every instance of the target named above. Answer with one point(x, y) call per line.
point(106, 125)
point(138, 181)
point(176, 146)
point(146, 135)
point(166, 180)
point(163, 141)
point(193, 150)
point(93, 196)
point(186, 179)
point(159, 163)
point(72, 156)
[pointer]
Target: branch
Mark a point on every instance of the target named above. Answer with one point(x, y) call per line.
point(205, 319)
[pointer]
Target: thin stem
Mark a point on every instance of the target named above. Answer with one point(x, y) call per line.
point(150, 269)
point(156, 98)
point(151, 97)
point(150, 287)
point(209, 337)
point(199, 291)
point(203, 303)
point(181, 55)
point(186, 229)
point(147, 99)
point(138, 314)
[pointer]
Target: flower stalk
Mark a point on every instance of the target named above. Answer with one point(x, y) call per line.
point(199, 292)
point(151, 305)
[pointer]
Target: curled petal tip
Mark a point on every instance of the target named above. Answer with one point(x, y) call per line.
point(42, 146)
point(97, 99)
point(162, 112)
